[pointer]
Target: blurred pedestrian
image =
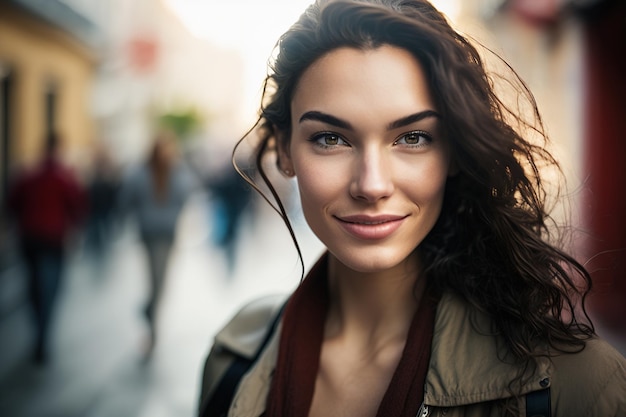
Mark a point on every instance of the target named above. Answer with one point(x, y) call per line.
point(231, 197)
point(154, 194)
point(47, 203)
point(102, 190)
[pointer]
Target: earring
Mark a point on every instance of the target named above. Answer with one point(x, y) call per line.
point(288, 172)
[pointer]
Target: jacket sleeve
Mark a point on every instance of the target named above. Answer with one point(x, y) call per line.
point(611, 399)
point(590, 383)
point(242, 336)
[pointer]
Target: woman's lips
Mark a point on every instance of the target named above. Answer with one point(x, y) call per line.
point(370, 227)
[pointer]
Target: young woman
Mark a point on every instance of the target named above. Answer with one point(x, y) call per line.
point(440, 293)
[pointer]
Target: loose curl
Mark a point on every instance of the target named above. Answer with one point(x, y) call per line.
point(491, 242)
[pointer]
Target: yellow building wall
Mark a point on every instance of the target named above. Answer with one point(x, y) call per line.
point(40, 55)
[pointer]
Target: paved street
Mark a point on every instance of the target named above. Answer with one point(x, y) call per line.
point(96, 369)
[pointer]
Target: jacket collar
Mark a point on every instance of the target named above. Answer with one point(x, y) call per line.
point(248, 328)
point(469, 363)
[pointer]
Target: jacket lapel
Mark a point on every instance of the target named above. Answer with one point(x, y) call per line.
point(252, 392)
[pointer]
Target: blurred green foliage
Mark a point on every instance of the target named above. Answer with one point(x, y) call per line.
point(182, 122)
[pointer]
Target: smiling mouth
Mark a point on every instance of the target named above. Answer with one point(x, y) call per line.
point(370, 223)
point(370, 220)
point(371, 228)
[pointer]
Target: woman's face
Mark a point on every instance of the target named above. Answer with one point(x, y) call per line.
point(368, 154)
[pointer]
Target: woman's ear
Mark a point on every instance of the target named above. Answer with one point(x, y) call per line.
point(284, 162)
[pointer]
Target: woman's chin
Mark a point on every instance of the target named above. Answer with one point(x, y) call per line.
point(372, 261)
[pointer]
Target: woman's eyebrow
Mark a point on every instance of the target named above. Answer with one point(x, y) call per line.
point(337, 122)
point(325, 118)
point(413, 118)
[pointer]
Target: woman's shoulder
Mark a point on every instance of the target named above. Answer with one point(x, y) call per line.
point(239, 342)
point(591, 381)
point(245, 331)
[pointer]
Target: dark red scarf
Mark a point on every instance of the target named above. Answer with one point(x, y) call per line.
point(301, 339)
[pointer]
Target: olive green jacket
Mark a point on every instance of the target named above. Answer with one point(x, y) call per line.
point(465, 376)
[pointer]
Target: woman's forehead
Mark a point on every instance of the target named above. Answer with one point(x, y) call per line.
point(385, 78)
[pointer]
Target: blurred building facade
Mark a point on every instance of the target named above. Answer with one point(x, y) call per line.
point(604, 200)
point(103, 71)
point(47, 66)
point(151, 65)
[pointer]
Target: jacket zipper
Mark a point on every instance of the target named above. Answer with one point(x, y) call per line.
point(424, 411)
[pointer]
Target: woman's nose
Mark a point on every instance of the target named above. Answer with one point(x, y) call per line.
point(372, 179)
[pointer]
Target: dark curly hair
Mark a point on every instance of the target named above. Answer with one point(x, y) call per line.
point(492, 243)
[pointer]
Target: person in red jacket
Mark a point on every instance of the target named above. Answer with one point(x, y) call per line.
point(46, 202)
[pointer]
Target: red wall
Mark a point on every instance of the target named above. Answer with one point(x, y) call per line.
point(604, 152)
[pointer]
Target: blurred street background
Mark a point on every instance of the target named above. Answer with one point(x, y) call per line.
point(104, 96)
point(97, 366)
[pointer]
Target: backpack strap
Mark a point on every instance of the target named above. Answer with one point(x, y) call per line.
point(219, 402)
point(538, 403)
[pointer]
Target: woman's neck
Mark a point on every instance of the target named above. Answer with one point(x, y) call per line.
point(371, 308)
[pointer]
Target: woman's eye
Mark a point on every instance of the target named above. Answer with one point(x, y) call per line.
point(328, 140)
point(417, 138)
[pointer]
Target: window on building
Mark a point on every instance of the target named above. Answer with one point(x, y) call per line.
point(6, 83)
point(50, 103)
